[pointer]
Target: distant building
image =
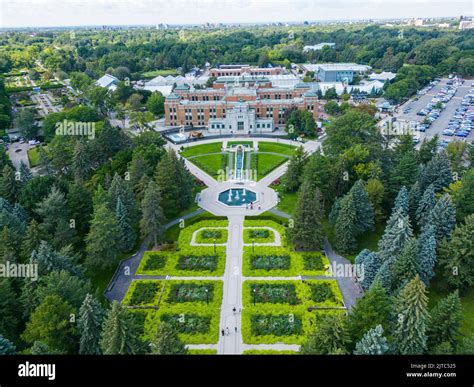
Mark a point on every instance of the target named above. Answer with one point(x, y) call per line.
point(384, 76)
point(336, 72)
point(108, 81)
point(239, 69)
point(466, 24)
point(318, 47)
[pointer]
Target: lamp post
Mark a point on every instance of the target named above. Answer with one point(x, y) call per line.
point(254, 294)
point(253, 245)
point(207, 296)
point(214, 245)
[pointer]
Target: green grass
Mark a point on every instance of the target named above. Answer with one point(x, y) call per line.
point(155, 73)
point(172, 234)
point(197, 150)
point(267, 163)
point(245, 143)
point(211, 164)
point(287, 201)
point(34, 157)
point(275, 147)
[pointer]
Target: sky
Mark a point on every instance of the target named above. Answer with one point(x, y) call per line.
point(40, 13)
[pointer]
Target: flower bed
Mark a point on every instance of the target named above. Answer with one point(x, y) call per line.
point(272, 292)
point(211, 235)
point(186, 234)
point(143, 293)
point(276, 325)
point(190, 292)
point(325, 293)
point(313, 261)
point(269, 262)
point(260, 224)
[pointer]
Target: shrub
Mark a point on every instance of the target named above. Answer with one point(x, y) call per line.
point(313, 262)
point(280, 293)
point(190, 292)
point(188, 323)
point(270, 262)
point(197, 262)
point(155, 262)
point(277, 325)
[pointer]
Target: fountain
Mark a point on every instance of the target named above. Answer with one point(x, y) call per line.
point(229, 199)
point(244, 193)
point(237, 197)
point(239, 162)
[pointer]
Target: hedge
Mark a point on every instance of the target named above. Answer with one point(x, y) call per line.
point(143, 293)
point(202, 351)
point(186, 234)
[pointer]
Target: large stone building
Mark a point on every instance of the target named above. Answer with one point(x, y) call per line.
point(237, 70)
point(244, 104)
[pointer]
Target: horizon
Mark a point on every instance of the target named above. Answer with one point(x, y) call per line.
point(25, 14)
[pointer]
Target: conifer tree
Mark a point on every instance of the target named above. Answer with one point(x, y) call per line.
point(118, 337)
point(345, 230)
point(292, 178)
point(437, 172)
point(9, 185)
point(25, 173)
point(413, 200)
point(81, 161)
point(167, 342)
point(120, 188)
point(153, 219)
point(373, 343)
point(443, 217)
point(405, 267)
point(90, 323)
point(372, 264)
point(427, 254)
point(401, 201)
point(397, 233)
point(445, 321)
point(331, 337)
point(411, 318)
point(307, 233)
point(128, 233)
point(6, 346)
point(363, 207)
point(425, 206)
point(336, 207)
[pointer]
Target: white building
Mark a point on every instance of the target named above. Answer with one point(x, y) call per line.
point(383, 76)
point(466, 24)
point(318, 47)
point(165, 84)
point(108, 81)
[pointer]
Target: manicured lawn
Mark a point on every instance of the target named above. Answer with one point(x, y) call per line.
point(155, 73)
point(244, 143)
point(287, 201)
point(275, 147)
point(213, 165)
point(33, 156)
point(266, 163)
point(196, 150)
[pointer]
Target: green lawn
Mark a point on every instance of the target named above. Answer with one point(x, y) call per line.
point(202, 149)
point(287, 201)
point(155, 73)
point(275, 147)
point(268, 162)
point(211, 164)
point(245, 143)
point(33, 156)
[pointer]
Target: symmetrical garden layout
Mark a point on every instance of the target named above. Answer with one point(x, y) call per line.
point(234, 285)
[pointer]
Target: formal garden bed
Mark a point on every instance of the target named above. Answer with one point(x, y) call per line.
point(210, 235)
point(284, 311)
point(185, 305)
point(263, 231)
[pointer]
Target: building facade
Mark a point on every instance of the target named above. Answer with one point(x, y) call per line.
point(243, 106)
point(238, 70)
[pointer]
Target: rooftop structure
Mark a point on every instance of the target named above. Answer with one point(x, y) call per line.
point(108, 81)
point(318, 47)
point(383, 76)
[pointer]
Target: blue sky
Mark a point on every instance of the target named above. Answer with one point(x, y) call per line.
point(33, 13)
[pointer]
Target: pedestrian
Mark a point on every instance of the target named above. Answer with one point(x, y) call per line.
point(227, 331)
point(234, 310)
point(235, 329)
point(222, 331)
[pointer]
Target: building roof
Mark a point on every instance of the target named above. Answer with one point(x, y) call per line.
point(108, 81)
point(318, 46)
point(336, 67)
point(383, 76)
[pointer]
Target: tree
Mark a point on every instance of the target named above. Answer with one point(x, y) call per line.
point(445, 321)
point(156, 103)
point(443, 217)
point(330, 94)
point(329, 338)
point(345, 229)
point(373, 343)
point(167, 342)
point(456, 257)
point(25, 173)
point(371, 266)
point(375, 191)
point(89, 323)
point(9, 306)
point(307, 233)
point(50, 323)
point(293, 176)
point(118, 337)
point(427, 254)
point(413, 200)
point(437, 172)
point(120, 188)
point(25, 122)
point(103, 242)
point(397, 233)
point(405, 267)
point(425, 206)
point(412, 318)
point(464, 197)
point(374, 308)
point(40, 348)
point(331, 108)
point(363, 207)
point(6, 346)
point(127, 232)
point(81, 162)
point(401, 201)
point(153, 219)
point(9, 185)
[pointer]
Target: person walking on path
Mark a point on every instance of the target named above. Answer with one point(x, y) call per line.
point(235, 329)
point(234, 309)
point(222, 331)
point(227, 331)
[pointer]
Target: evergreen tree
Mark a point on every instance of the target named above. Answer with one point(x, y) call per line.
point(32, 239)
point(168, 187)
point(456, 257)
point(345, 230)
point(363, 207)
point(9, 306)
point(411, 318)
point(413, 200)
point(6, 346)
point(405, 267)
point(79, 200)
point(331, 337)
point(184, 180)
point(401, 201)
point(89, 323)
point(40, 348)
point(167, 342)
point(372, 264)
point(427, 254)
point(122, 189)
point(307, 234)
point(445, 321)
point(373, 343)
point(138, 169)
point(292, 178)
point(128, 233)
point(25, 173)
point(118, 338)
point(103, 243)
point(437, 172)
point(405, 172)
point(443, 217)
point(374, 308)
point(425, 206)
point(384, 275)
point(362, 257)
point(397, 233)
point(153, 219)
point(9, 185)
point(81, 161)
point(336, 207)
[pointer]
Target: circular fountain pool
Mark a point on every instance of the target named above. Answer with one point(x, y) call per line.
point(237, 197)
